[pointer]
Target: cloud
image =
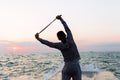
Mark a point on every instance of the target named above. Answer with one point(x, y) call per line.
point(6, 42)
point(7, 46)
point(3, 45)
point(103, 47)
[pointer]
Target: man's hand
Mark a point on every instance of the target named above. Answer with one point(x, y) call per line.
point(37, 35)
point(58, 17)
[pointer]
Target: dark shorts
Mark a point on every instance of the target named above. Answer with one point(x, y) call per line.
point(71, 70)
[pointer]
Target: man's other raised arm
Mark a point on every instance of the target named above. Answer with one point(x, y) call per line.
point(48, 43)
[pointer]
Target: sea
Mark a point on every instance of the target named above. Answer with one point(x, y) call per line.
point(40, 66)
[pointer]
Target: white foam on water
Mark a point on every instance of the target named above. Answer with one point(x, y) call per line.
point(47, 76)
point(90, 68)
point(85, 68)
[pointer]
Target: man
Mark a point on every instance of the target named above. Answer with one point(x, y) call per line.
point(69, 51)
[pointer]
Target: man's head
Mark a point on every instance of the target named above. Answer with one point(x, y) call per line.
point(61, 35)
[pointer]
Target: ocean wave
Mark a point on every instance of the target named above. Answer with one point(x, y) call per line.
point(37, 66)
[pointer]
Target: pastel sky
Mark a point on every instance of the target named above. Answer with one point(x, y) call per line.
point(92, 22)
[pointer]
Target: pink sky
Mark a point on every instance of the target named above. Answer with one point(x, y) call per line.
point(92, 22)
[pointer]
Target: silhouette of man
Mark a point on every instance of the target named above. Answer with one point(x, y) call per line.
point(69, 51)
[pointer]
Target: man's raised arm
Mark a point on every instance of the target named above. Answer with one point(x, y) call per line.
point(68, 31)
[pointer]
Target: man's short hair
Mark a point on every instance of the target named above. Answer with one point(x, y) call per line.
point(61, 35)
